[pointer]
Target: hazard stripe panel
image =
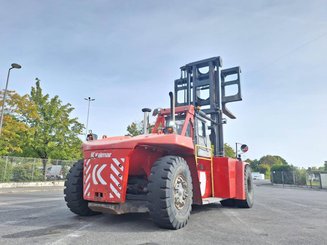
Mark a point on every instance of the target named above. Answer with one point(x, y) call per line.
point(105, 178)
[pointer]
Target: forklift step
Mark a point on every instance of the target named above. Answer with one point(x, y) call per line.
point(130, 206)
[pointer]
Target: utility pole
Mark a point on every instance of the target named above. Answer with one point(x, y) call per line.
point(89, 99)
point(13, 66)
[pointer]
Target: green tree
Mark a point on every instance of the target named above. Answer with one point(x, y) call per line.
point(52, 133)
point(229, 151)
point(264, 169)
point(134, 129)
point(14, 128)
point(254, 164)
point(272, 160)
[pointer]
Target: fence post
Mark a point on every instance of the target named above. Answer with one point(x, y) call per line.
point(44, 163)
point(33, 167)
point(283, 178)
point(5, 170)
point(320, 180)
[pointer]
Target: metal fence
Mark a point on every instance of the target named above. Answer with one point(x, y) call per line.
point(299, 178)
point(22, 169)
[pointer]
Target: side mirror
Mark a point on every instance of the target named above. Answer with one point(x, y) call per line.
point(244, 148)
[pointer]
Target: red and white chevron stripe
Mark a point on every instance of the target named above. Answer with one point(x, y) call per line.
point(87, 177)
point(105, 177)
point(116, 177)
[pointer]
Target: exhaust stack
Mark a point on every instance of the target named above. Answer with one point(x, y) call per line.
point(146, 120)
point(172, 108)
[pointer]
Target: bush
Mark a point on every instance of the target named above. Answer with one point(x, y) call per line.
point(5, 170)
point(264, 169)
point(26, 172)
point(301, 177)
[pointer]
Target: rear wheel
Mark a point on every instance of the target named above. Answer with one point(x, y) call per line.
point(249, 193)
point(74, 191)
point(170, 192)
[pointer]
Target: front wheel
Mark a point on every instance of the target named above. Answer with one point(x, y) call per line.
point(170, 192)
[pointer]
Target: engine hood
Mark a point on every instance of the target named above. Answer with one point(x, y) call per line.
point(128, 142)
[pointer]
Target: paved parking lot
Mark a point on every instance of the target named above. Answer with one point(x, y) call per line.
point(280, 216)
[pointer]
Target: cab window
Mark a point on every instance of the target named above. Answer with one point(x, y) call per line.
point(201, 129)
point(179, 123)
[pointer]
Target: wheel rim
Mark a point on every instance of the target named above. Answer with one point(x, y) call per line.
point(180, 192)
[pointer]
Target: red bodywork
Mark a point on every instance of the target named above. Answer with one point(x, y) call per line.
point(109, 163)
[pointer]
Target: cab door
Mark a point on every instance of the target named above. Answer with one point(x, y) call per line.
point(202, 140)
point(203, 157)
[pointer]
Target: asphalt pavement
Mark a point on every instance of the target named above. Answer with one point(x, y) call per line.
point(279, 216)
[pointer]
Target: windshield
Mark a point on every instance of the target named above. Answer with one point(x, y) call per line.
point(179, 122)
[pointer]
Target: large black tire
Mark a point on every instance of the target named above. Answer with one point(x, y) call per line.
point(249, 193)
point(74, 191)
point(170, 192)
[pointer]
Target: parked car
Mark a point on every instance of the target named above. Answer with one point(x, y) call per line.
point(55, 172)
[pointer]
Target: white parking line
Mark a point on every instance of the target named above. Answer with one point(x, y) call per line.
point(74, 234)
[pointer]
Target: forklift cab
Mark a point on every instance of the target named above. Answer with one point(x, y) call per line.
point(188, 123)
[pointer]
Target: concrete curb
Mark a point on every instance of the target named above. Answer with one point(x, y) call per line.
point(31, 189)
point(19, 187)
point(32, 184)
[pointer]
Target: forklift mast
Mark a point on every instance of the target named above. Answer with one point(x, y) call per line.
point(203, 83)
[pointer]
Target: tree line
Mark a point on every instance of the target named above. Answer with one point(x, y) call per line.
point(37, 125)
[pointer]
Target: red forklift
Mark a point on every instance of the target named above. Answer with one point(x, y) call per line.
point(180, 163)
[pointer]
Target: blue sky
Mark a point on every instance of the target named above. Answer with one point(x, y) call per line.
point(126, 54)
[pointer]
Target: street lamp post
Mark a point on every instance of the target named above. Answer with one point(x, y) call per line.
point(89, 99)
point(13, 66)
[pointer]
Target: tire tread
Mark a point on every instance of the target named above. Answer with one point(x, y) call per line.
point(159, 198)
